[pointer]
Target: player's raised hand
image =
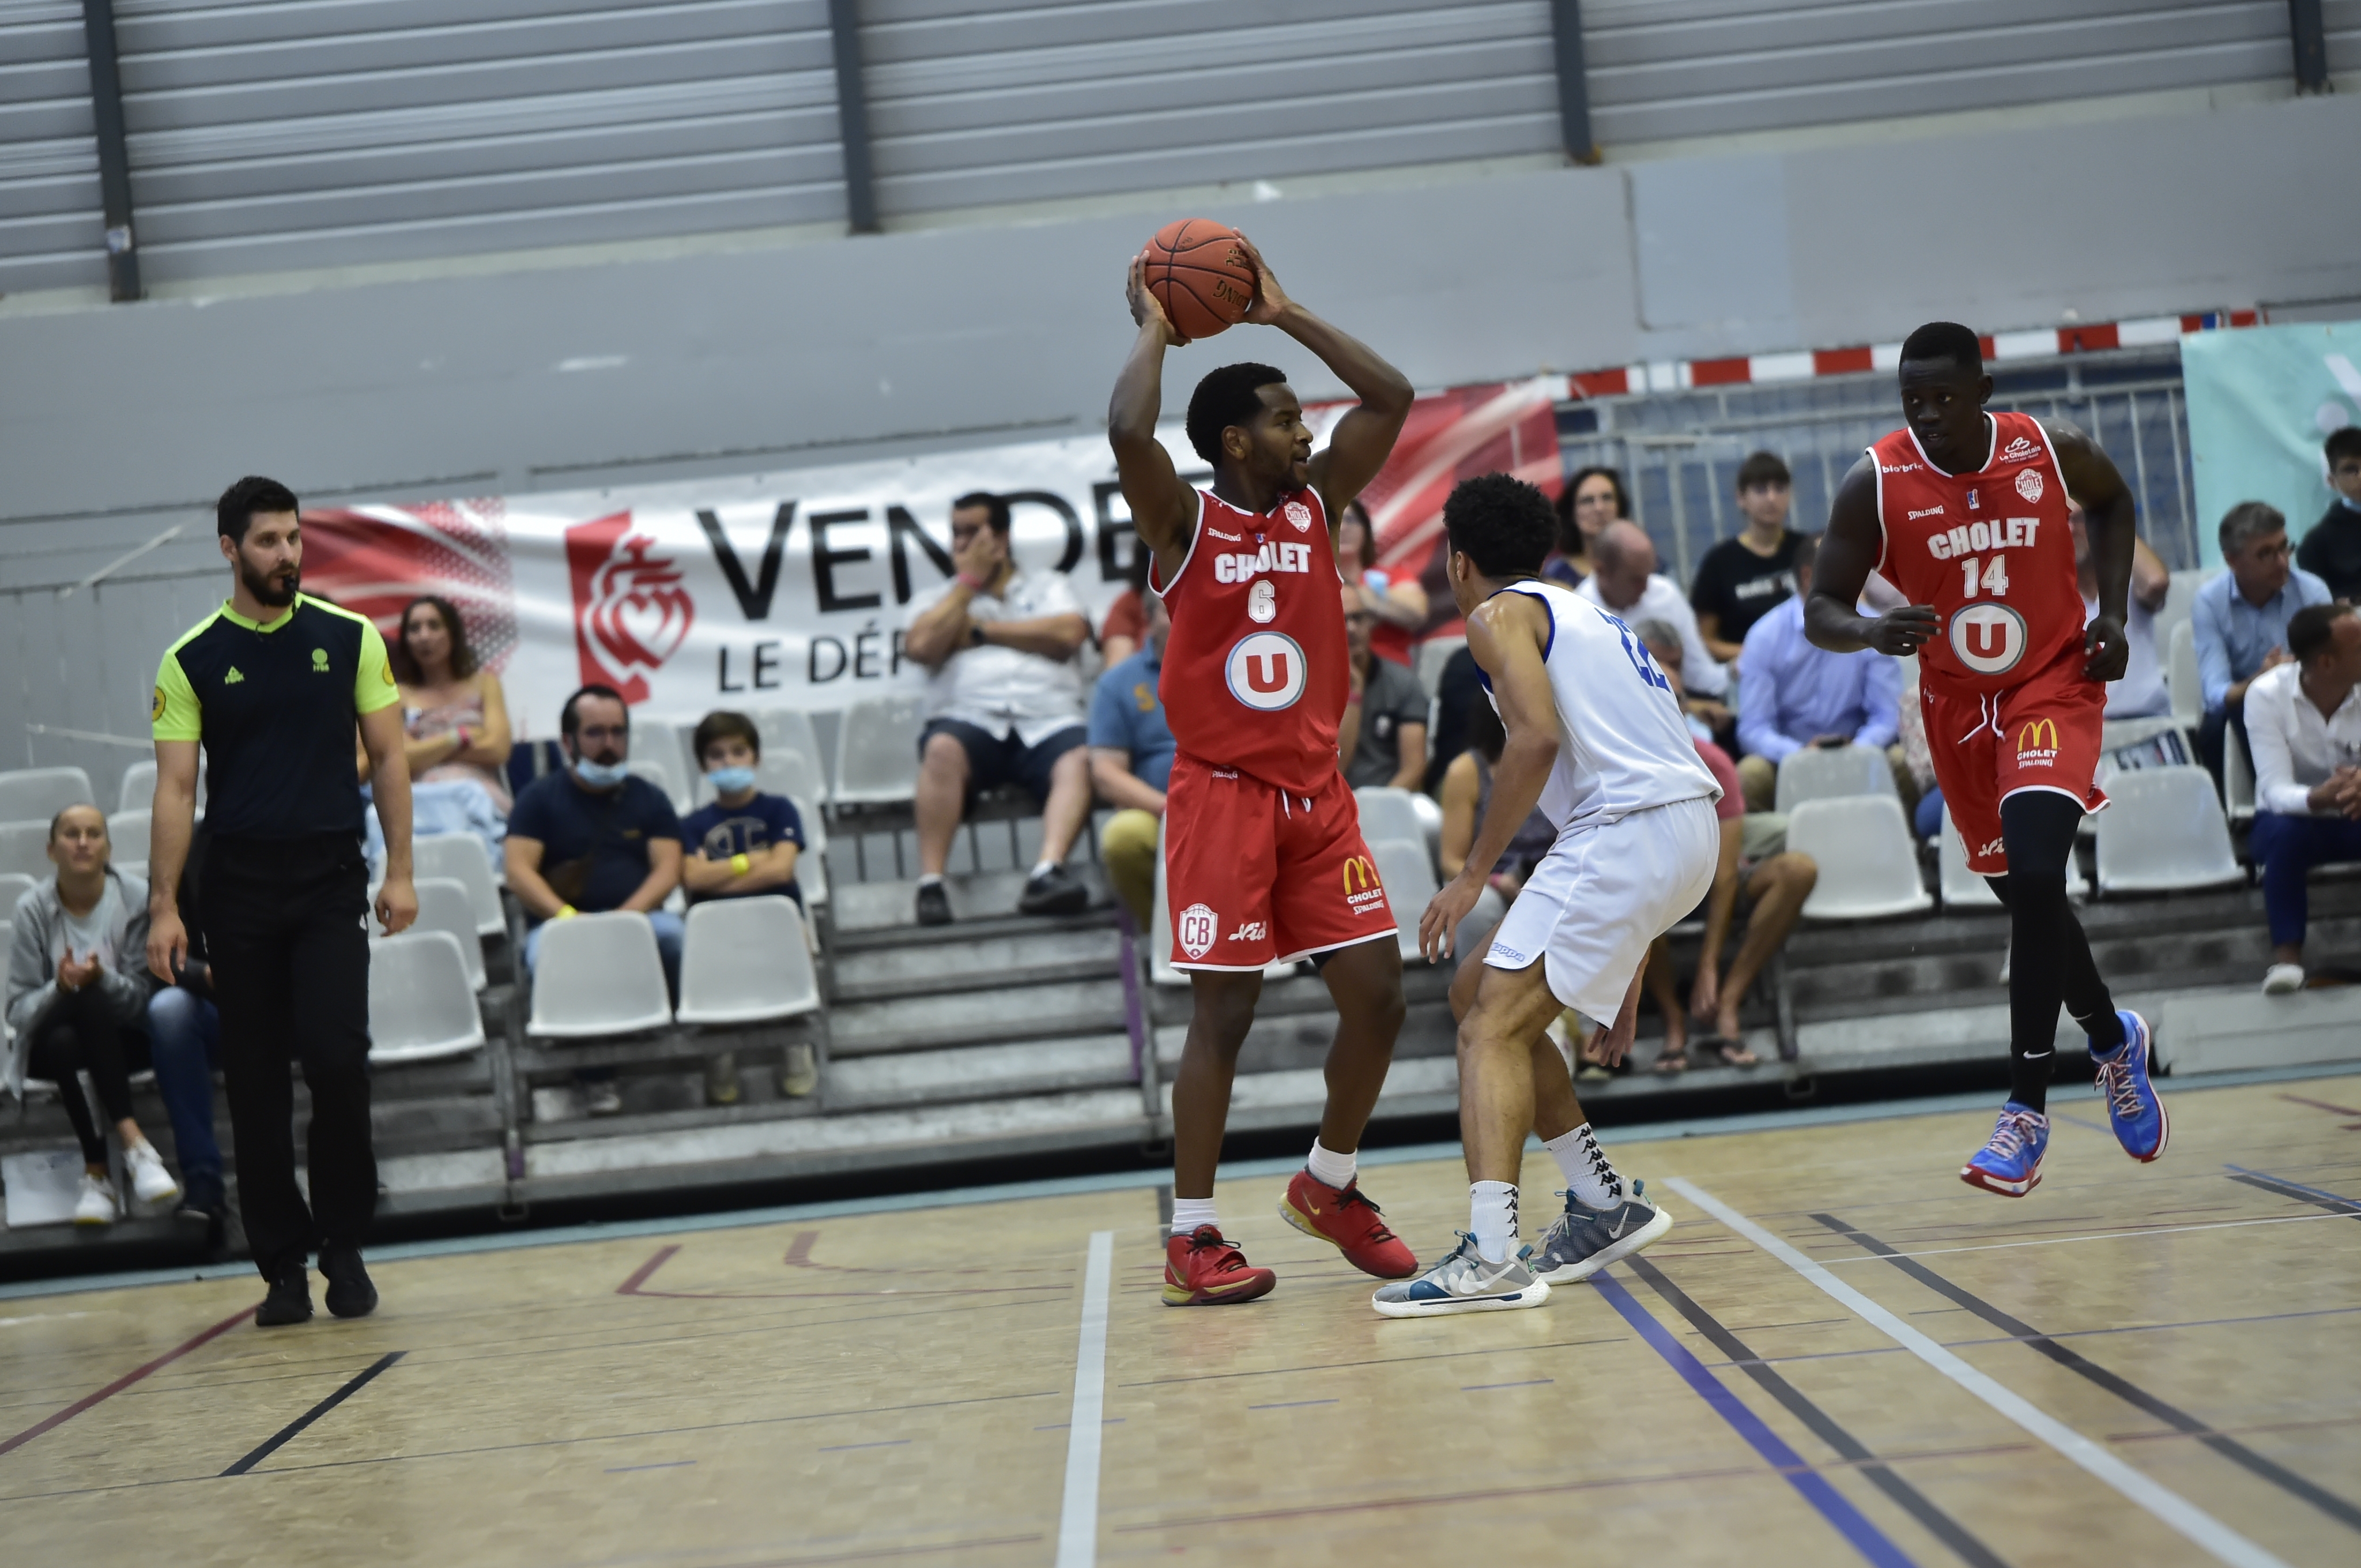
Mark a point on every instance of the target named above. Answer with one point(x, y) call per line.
point(1270, 301)
point(2108, 648)
point(1440, 925)
point(1145, 306)
point(1900, 631)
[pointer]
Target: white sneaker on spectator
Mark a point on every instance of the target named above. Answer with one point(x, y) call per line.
point(602, 1098)
point(2282, 980)
point(97, 1205)
point(149, 1180)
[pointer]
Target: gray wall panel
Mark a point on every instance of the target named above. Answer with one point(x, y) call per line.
point(50, 220)
point(2342, 20)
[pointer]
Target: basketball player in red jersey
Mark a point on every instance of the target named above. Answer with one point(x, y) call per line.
point(1264, 860)
point(1965, 512)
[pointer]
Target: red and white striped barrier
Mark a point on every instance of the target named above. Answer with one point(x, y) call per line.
point(2041, 343)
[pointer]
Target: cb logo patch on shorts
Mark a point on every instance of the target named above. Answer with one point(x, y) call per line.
point(1196, 929)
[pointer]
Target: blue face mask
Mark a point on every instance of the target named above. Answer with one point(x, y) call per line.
point(601, 775)
point(730, 781)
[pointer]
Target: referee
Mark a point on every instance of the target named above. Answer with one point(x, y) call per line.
point(272, 685)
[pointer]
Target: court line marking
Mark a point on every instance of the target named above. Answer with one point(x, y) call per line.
point(2114, 1383)
point(2100, 1235)
point(294, 1428)
point(125, 1381)
point(2167, 1507)
point(2336, 1203)
point(1374, 1361)
point(1813, 1487)
point(1078, 1517)
point(1963, 1542)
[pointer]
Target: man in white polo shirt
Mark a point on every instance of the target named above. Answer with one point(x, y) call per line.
point(1004, 707)
point(2303, 719)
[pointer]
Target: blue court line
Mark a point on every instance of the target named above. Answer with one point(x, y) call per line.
point(1865, 1536)
point(1290, 1404)
point(1482, 1387)
point(1115, 1181)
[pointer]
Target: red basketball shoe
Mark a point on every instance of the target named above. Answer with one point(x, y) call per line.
point(1342, 1217)
point(1203, 1270)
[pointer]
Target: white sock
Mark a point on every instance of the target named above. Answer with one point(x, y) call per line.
point(1588, 1177)
point(1492, 1215)
point(1188, 1213)
point(1043, 868)
point(1329, 1167)
point(931, 878)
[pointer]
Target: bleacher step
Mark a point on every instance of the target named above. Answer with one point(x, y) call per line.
point(963, 1018)
point(983, 963)
point(975, 1072)
point(982, 895)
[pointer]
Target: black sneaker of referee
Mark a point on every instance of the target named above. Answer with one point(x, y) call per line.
point(289, 1301)
point(350, 1293)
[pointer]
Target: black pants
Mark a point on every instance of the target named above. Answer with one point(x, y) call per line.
point(81, 1034)
point(286, 932)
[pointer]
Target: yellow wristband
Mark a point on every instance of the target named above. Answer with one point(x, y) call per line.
point(566, 912)
point(741, 864)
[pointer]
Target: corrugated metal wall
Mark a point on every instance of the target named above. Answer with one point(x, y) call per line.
point(978, 102)
point(2342, 21)
point(1664, 69)
point(318, 133)
point(50, 218)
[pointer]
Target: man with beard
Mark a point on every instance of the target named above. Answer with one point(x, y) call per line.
point(271, 685)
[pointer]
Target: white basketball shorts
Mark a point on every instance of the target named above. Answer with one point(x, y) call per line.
point(1602, 894)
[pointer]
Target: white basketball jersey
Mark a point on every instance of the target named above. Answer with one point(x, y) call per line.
point(1623, 745)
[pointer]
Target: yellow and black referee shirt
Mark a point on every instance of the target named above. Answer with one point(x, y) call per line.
point(275, 706)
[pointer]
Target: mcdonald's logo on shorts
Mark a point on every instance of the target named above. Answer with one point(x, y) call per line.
point(2036, 743)
point(1362, 887)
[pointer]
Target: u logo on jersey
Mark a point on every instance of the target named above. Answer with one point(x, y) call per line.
point(1265, 671)
point(1988, 638)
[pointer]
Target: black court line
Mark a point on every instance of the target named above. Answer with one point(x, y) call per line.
point(2317, 1198)
point(2123, 1388)
point(1938, 1524)
point(287, 1434)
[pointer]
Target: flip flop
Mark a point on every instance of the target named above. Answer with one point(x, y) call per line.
point(1731, 1051)
point(1670, 1062)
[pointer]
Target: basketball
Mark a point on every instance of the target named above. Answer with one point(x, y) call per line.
point(1201, 275)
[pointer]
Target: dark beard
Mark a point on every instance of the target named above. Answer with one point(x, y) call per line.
point(265, 591)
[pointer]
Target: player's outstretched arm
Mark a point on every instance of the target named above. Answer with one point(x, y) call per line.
point(2111, 519)
point(1849, 553)
point(1506, 635)
point(1364, 438)
point(1163, 510)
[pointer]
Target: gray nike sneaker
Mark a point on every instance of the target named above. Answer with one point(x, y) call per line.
point(1584, 1240)
point(1464, 1282)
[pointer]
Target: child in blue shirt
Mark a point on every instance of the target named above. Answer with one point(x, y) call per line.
point(745, 841)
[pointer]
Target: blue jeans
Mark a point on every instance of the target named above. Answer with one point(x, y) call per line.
point(1928, 819)
point(183, 1039)
point(2289, 847)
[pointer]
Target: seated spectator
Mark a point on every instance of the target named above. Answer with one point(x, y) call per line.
point(1706, 717)
point(1131, 762)
point(1126, 618)
point(1458, 692)
point(1591, 499)
point(1391, 595)
point(453, 712)
point(1625, 583)
point(2331, 550)
point(2303, 719)
point(740, 844)
point(78, 990)
point(594, 839)
point(183, 1044)
point(2141, 694)
point(1382, 737)
point(1466, 794)
point(1740, 579)
point(2240, 620)
point(1795, 695)
point(1005, 706)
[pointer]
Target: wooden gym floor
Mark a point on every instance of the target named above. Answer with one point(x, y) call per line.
point(1859, 1359)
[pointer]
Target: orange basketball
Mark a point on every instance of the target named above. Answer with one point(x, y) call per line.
point(1201, 275)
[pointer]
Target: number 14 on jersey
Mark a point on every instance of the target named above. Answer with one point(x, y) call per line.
point(1993, 577)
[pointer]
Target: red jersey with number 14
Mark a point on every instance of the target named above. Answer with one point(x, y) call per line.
point(1254, 670)
point(1991, 551)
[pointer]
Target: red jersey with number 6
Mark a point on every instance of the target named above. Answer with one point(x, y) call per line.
point(1991, 551)
point(1254, 670)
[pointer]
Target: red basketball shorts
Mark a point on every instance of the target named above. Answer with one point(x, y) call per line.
point(1253, 875)
point(2043, 733)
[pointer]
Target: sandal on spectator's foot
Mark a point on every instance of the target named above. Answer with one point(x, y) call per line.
point(1732, 1052)
point(1670, 1062)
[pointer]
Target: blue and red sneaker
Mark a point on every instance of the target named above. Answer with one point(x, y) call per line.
point(2010, 1164)
point(2134, 1107)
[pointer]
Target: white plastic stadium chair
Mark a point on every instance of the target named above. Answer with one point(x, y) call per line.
point(598, 974)
point(444, 904)
point(127, 836)
point(1962, 889)
point(811, 865)
point(655, 742)
point(1832, 774)
point(2237, 775)
point(139, 790)
point(2180, 676)
point(422, 1006)
point(785, 729)
point(1408, 879)
point(14, 885)
point(1869, 867)
point(878, 750)
point(653, 772)
point(24, 848)
point(744, 961)
point(462, 856)
point(1432, 654)
point(1387, 813)
point(29, 793)
point(2163, 833)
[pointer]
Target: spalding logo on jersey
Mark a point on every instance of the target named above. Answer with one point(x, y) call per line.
point(1299, 515)
point(2028, 484)
point(1989, 638)
point(1266, 670)
point(1262, 602)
